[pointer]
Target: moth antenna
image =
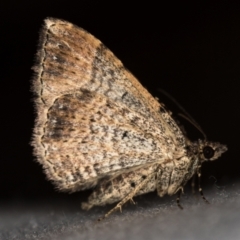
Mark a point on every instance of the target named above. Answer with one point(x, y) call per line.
point(196, 125)
point(186, 115)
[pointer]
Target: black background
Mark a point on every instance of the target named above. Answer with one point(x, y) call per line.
point(192, 50)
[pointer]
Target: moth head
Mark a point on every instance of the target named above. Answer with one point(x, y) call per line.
point(210, 150)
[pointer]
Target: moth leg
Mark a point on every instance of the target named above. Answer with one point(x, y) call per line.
point(132, 201)
point(180, 191)
point(193, 183)
point(128, 197)
point(118, 187)
point(199, 184)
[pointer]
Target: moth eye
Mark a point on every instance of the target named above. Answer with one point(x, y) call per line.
point(208, 152)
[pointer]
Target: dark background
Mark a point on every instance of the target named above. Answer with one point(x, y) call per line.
point(192, 50)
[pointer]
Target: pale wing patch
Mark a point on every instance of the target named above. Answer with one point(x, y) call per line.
point(88, 137)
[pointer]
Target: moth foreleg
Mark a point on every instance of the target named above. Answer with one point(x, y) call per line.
point(199, 184)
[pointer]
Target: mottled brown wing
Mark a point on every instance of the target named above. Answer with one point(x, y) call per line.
point(94, 119)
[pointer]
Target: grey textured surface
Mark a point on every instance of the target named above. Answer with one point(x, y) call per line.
point(151, 218)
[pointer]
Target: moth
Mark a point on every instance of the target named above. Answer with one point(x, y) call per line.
point(98, 127)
